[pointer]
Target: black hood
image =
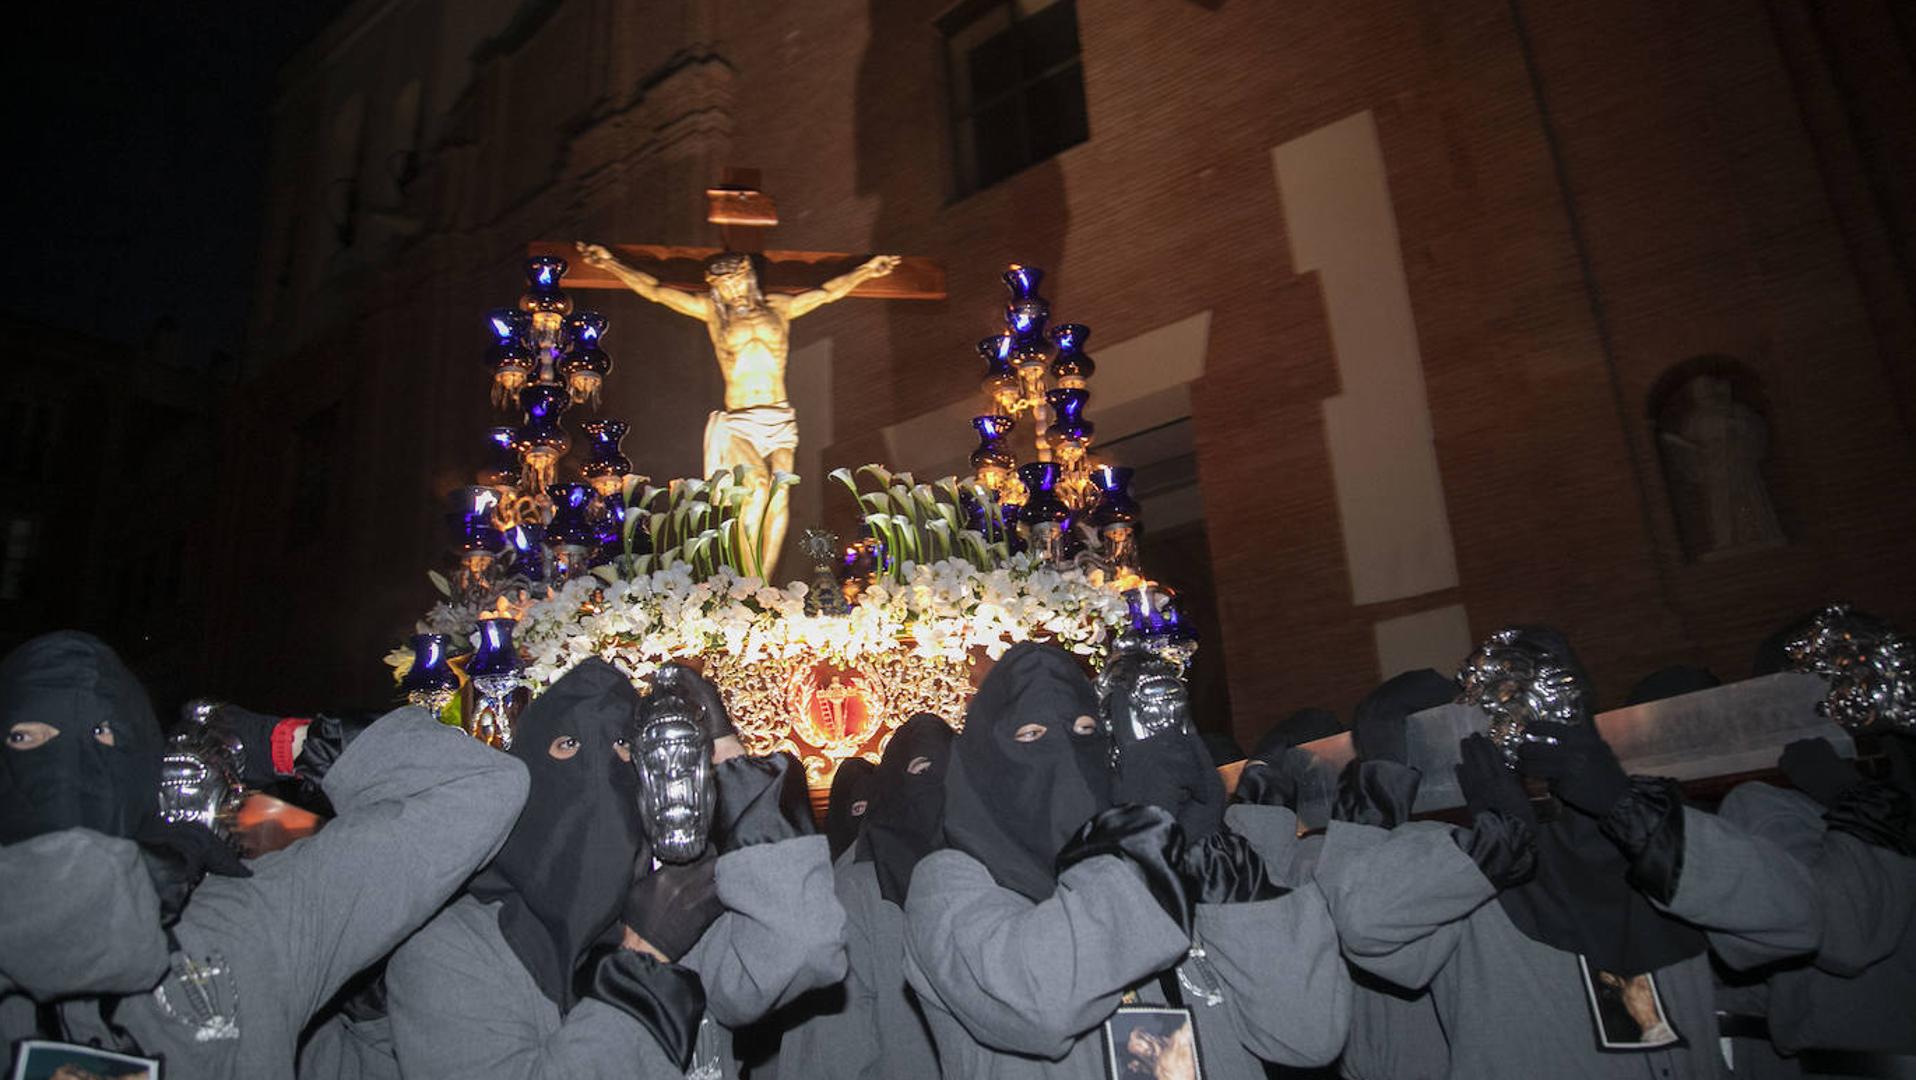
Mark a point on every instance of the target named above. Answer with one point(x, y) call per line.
point(1379, 727)
point(1302, 726)
point(907, 814)
point(851, 798)
point(1010, 804)
point(564, 870)
point(1581, 901)
point(75, 684)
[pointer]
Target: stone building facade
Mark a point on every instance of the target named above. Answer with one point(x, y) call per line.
point(1392, 299)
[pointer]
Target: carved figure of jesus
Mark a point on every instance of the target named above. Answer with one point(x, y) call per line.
point(752, 334)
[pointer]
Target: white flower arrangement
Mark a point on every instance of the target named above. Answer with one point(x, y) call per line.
point(942, 610)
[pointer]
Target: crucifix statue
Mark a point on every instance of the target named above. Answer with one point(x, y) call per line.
point(750, 328)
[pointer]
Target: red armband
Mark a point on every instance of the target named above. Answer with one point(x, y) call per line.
point(283, 733)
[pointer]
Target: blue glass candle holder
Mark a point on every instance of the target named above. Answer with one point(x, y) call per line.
point(526, 542)
point(606, 466)
point(512, 364)
point(501, 468)
point(541, 440)
point(584, 365)
point(495, 654)
point(1072, 367)
point(1026, 313)
point(1068, 425)
point(543, 294)
point(570, 537)
point(992, 463)
point(431, 683)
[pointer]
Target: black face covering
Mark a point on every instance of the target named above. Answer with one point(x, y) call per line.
point(565, 868)
point(1161, 761)
point(1580, 899)
point(75, 684)
point(1012, 803)
point(851, 799)
point(907, 814)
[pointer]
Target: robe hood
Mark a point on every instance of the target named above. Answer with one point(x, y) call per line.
point(1011, 803)
point(563, 871)
point(77, 685)
point(907, 814)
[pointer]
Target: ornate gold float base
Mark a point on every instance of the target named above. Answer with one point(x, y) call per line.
point(825, 713)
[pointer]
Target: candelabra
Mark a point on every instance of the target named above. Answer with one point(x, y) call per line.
point(519, 530)
point(1061, 501)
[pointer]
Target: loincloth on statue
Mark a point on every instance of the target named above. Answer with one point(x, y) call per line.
point(765, 428)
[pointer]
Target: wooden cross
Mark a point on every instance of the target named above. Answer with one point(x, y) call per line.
point(744, 214)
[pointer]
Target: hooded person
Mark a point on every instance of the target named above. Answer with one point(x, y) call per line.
point(1279, 773)
point(1048, 908)
point(1592, 960)
point(850, 799)
point(1395, 1034)
point(128, 947)
point(1845, 1009)
point(607, 937)
point(877, 1030)
point(528, 973)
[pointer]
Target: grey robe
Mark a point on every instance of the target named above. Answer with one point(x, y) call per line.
point(1412, 908)
point(420, 807)
point(878, 1031)
point(1016, 989)
point(1858, 993)
point(462, 1005)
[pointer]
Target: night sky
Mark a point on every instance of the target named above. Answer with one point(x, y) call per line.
point(138, 134)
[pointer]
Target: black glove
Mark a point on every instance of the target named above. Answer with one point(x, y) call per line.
point(1646, 824)
point(249, 734)
point(672, 906)
point(327, 737)
point(666, 999)
point(1378, 793)
point(1582, 769)
point(1146, 836)
point(1223, 868)
point(1489, 785)
point(701, 693)
point(1502, 846)
point(177, 856)
point(1274, 782)
point(1876, 814)
point(1172, 770)
point(1815, 769)
point(761, 800)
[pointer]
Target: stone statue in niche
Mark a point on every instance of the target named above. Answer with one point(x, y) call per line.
point(1713, 449)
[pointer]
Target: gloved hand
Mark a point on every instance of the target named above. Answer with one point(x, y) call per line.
point(701, 693)
point(1504, 847)
point(1274, 782)
point(1581, 768)
point(1378, 793)
point(177, 856)
point(1172, 770)
point(671, 907)
point(666, 999)
point(1815, 769)
point(1489, 785)
point(326, 739)
point(1148, 837)
point(761, 800)
point(1223, 868)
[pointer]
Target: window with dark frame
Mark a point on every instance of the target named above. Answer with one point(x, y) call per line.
point(1017, 86)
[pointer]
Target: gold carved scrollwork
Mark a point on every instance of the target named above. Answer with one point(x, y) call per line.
point(824, 713)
